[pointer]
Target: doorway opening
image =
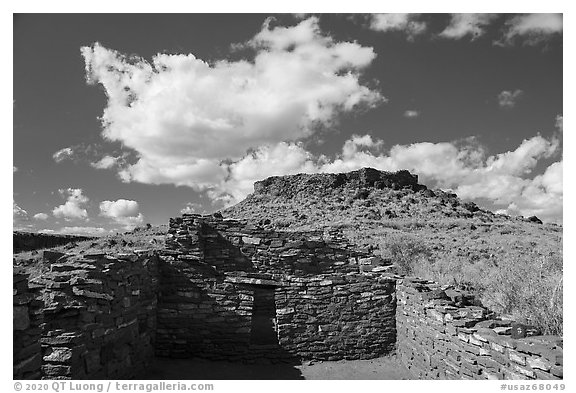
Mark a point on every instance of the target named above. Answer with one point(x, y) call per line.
point(264, 330)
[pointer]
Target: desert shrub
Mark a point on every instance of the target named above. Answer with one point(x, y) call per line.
point(283, 222)
point(454, 270)
point(530, 290)
point(413, 224)
point(405, 251)
point(362, 194)
point(390, 224)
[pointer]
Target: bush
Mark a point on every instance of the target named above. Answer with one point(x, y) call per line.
point(530, 292)
point(528, 289)
point(405, 251)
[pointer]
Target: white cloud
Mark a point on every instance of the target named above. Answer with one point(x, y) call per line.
point(105, 162)
point(123, 211)
point(63, 154)
point(560, 123)
point(410, 114)
point(192, 207)
point(542, 196)
point(220, 126)
point(406, 23)
point(119, 208)
point(19, 215)
point(532, 29)
point(184, 116)
point(81, 231)
point(41, 216)
point(508, 99)
point(462, 25)
point(73, 208)
point(14, 169)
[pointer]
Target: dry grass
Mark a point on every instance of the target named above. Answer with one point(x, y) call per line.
point(528, 289)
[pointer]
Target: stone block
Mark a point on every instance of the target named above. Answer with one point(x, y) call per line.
point(517, 357)
point(251, 240)
point(539, 363)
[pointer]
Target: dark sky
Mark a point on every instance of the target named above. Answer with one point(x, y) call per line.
point(452, 84)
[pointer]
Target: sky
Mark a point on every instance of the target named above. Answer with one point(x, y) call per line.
point(122, 120)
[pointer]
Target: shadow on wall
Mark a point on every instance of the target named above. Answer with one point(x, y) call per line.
point(223, 254)
point(202, 315)
point(212, 329)
point(202, 369)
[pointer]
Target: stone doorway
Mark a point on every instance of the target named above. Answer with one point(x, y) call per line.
point(264, 330)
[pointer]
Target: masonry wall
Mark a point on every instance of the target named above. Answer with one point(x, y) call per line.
point(26, 326)
point(442, 336)
point(99, 316)
point(216, 271)
point(231, 245)
point(333, 317)
point(199, 313)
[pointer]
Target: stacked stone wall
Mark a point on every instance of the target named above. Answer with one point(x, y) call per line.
point(333, 317)
point(199, 313)
point(325, 308)
point(99, 316)
point(231, 245)
point(26, 326)
point(445, 334)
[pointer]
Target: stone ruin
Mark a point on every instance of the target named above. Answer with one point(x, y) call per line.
point(230, 290)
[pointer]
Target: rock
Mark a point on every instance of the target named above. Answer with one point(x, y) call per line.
point(535, 219)
point(470, 206)
point(520, 330)
point(58, 355)
point(52, 256)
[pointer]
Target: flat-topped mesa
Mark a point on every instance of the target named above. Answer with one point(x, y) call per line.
point(362, 178)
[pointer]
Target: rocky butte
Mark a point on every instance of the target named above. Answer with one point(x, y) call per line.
point(308, 267)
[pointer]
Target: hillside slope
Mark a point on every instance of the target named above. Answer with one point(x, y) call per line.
point(514, 263)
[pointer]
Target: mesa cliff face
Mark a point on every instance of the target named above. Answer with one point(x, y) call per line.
point(366, 196)
point(288, 186)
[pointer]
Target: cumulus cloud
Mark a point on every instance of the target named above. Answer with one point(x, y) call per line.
point(184, 116)
point(462, 25)
point(532, 29)
point(19, 215)
point(192, 207)
point(14, 169)
point(81, 231)
point(508, 99)
point(105, 162)
point(410, 114)
point(542, 196)
point(407, 23)
point(63, 154)
point(220, 126)
point(560, 123)
point(123, 211)
point(73, 208)
point(41, 216)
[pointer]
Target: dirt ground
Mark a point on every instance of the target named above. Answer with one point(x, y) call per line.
point(383, 368)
